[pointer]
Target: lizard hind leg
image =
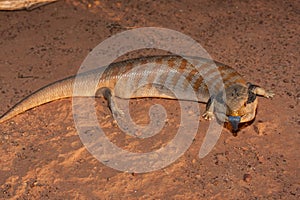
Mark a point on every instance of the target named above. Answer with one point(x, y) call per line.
point(108, 95)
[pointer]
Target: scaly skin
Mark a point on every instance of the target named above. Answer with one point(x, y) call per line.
point(157, 75)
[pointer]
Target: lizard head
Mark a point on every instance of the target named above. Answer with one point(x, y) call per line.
point(240, 103)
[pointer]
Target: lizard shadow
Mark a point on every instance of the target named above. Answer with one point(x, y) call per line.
point(241, 126)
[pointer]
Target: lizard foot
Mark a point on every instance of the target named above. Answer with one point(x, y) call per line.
point(208, 115)
point(269, 94)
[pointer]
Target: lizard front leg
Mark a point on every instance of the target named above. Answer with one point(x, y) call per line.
point(209, 111)
point(215, 108)
point(260, 91)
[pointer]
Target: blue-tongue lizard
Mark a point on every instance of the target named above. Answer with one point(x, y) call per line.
point(240, 101)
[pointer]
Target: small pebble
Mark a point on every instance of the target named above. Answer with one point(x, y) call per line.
point(247, 178)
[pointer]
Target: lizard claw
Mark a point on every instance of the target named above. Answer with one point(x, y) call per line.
point(208, 115)
point(269, 94)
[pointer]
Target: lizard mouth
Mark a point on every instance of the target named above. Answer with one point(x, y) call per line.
point(234, 121)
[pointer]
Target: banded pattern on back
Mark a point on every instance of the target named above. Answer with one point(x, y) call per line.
point(157, 76)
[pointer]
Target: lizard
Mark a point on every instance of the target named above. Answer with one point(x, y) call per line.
point(239, 97)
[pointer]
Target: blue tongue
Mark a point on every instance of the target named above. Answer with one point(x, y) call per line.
point(234, 120)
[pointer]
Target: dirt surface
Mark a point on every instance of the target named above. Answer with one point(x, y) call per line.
point(42, 156)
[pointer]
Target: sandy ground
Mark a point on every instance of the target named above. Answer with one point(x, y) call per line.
point(42, 156)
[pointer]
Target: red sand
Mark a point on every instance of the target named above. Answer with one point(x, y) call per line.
point(42, 156)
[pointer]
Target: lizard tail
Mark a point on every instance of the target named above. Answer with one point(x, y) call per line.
point(57, 90)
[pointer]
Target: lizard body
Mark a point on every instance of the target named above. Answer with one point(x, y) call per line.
point(166, 73)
